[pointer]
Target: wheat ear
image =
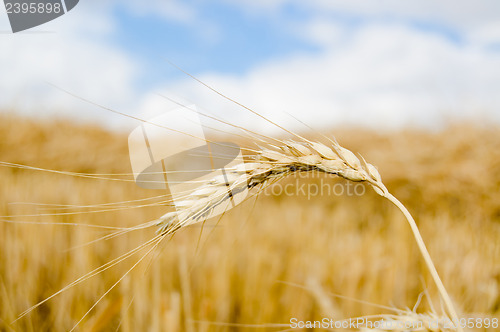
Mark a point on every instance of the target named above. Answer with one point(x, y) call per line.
point(274, 163)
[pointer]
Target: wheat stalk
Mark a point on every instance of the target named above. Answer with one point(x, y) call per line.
point(274, 163)
point(398, 321)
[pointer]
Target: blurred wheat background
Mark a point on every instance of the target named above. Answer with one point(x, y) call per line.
point(238, 270)
point(412, 86)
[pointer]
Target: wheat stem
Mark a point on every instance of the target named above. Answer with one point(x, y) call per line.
point(427, 258)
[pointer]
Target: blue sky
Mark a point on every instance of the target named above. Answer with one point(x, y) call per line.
point(381, 63)
point(227, 39)
point(237, 40)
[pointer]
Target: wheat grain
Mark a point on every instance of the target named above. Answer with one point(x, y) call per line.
point(269, 165)
point(276, 162)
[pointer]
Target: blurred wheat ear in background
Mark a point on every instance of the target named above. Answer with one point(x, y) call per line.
point(354, 246)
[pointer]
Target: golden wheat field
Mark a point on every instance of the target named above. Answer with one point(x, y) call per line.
point(276, 257)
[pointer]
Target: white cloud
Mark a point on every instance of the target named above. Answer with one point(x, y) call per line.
point(73, 54)
point(380, 74)
point(170, 9)
point(384, 76)
point(322, 32)
point(385, 72)
point(486, 34)
point(78, 52)
point(259, 5)
point(460, 13)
